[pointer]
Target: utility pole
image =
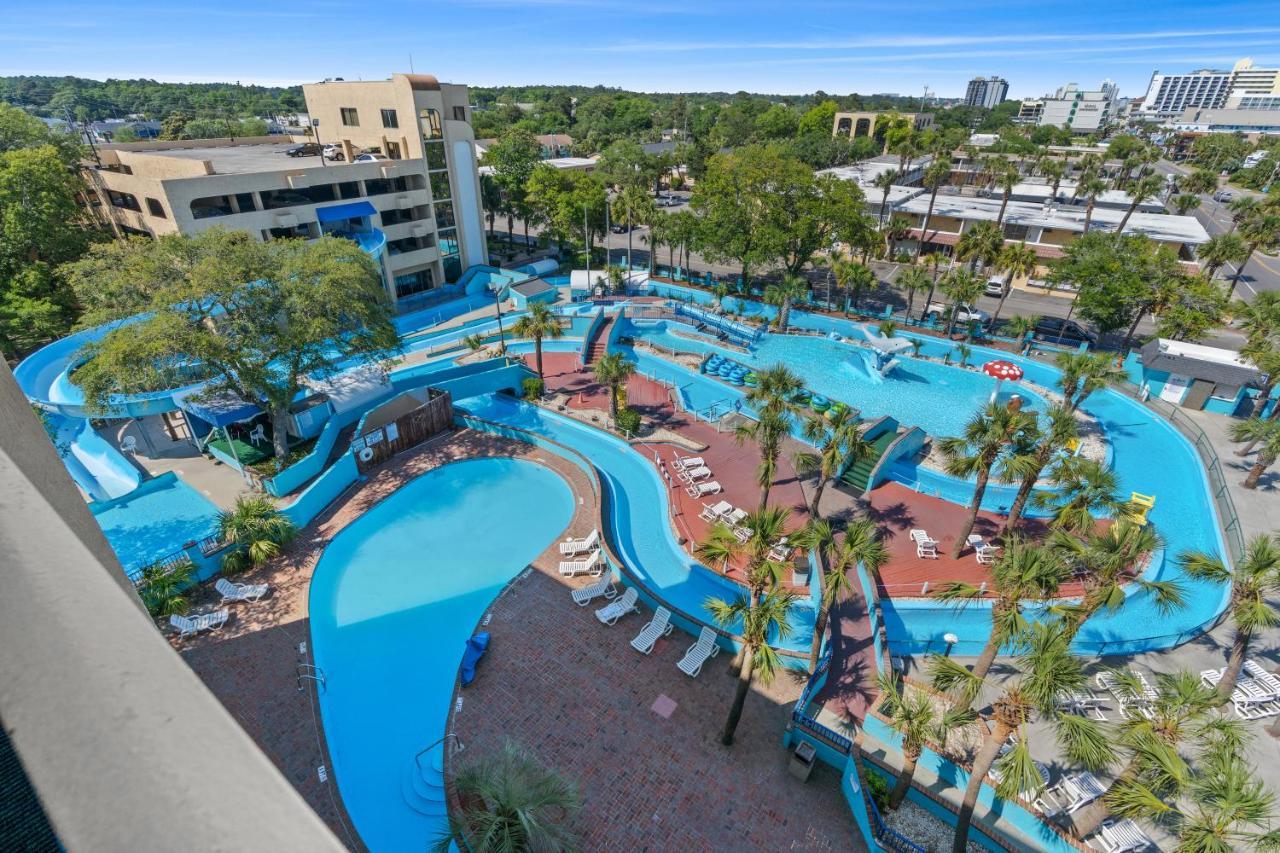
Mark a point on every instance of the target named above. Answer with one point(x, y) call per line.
point(586, 239)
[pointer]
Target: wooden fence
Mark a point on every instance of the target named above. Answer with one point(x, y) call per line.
point(410, 429)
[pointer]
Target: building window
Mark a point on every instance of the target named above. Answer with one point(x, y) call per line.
point(459, 113)
point(414, 282)
point(399, 217)
point(434, 153)
point(393, 150)
point(440, 186)
point(349, 189)
point(126, 200)
point(410, 244)
point(155, 208)
point(350, 117)
point(305, 231)
point(209, 206)
point(1016, 232)
point(431, 124)
point(245, 202)
point(389, 118)
point(276, 199)
point(382, 186)
point(444, 215)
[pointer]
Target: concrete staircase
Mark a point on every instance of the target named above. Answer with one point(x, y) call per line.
point(599, 343)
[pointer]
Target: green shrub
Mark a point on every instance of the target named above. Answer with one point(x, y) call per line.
point(162, 589)
point(258, 530)
point(877, 789)
point(533, 388)
point(629, 421)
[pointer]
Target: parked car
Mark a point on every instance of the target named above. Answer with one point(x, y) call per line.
point(306, 149)
point(1056, 329)
point(333, 152)
point(965, 312)
point(1223, 196)
point(369, 157)
point(994, 287)
point(619, 229)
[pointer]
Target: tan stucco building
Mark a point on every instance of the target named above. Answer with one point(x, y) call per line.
point(417, 210)
point(854, 125)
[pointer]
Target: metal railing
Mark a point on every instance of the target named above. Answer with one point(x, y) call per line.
point(888, 836)
point(817, 730)
point(208, 546)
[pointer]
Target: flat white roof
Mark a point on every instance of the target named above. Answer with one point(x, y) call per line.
point(241, 159)
point(1163, 227)
point(1037, 189)
point(866, 172)
point(1200, 352)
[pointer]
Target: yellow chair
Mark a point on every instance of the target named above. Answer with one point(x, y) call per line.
point(1139, 506)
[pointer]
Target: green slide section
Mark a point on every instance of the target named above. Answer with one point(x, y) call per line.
point(856, 476)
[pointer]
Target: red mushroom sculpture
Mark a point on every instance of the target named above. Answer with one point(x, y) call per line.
point(1000, 371)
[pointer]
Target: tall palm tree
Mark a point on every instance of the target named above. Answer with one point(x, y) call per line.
point(783, 294)
point(884, 182)
point(511, 802)
point(979, 244)
point(912, 280)
point(1146, 188)
point(775, 386)
point(897, 229)
point(1184, 203)
point(1082, 489)
point(539, 323)
point(1260, 231)
point(1022, 329)
point(836, 558)
point(1030, 456)
point(937, 175)
point(915, 716)
point(768, 433)
point(1047, 669)
point(1221, 249)
point(613, 371)
point(1253, 582)
point(1024, 573)
point(838, 442)
point(1181, 720)
point(257, 528)
point(1263, 434)
point(1091, 189)
point(1054, 170)
point(852, 278)
point(1229, 808)
point(1103, 561)
point(961, 286)
point(1015, 259)
point(769, 617)
point(1083, 373)
point(1007, 179)
point(987, 436)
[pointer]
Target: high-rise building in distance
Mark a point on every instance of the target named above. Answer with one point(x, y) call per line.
point(986, 92)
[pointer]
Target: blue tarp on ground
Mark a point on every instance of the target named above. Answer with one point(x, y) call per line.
point(339, 212)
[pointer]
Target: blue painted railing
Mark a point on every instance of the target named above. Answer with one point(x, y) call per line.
point(890, 837)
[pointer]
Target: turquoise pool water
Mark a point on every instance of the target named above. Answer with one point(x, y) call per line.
point(664, 334)
point(155, 520)
point(393, 599)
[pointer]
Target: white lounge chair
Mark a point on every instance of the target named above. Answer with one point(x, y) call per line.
point(686, 462)
point(780, 551)
point(594, 563)
point(582, 596)
point(571, 546)
point(735, 516)
point(1121, 836)
point(195, 624)
point(615, 610)
point(701, 490)
point(1127, 699)
point(239, 591)
point(692, 475)
point(982, 552)
point(1083, 702)
point(926, 548)
point(703, 649)
point(659, 626)
point(1072, 793)
point(1262, 676)
point(715, 512)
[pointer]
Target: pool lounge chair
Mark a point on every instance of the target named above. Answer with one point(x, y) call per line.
point(572, 546)
point(703, 649)
point(195, 624)
point(781, 550)
point(1125, 698)
point(593, 564)
point(716, 512)
point(686, 462)
point(692, 475)
point(1262, 676)
point(1121, 836)
point(1031, 793)
point(659, 626)
point(926, 548)
point(1072, 793)
point(616, 609)
point(239, 591)
point(1083, 702)
point(701, 490)
point(982, 552)
point(583, 596)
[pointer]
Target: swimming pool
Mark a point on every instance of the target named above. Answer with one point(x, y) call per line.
point(393, 599)
point(676, 336)
point(155, 520)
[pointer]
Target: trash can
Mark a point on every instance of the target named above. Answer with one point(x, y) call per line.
point(802, 760)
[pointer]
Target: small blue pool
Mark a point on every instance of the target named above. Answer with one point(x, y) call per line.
point(393, 600)
point(155, 520)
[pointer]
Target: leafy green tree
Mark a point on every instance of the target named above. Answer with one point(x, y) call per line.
point(513, 158)
point(777, 122)
point(538, 324)
point(258, 318)
point(818, 120)
point(769, 617)
point(988, 435)
point(1194, 307)
point(510, 802)
point(258, 530)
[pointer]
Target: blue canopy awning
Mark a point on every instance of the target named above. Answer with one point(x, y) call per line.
point(339, 212)
point(217, 410)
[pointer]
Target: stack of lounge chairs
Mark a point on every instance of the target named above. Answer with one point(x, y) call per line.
point(593, 563)
point(1129, 699)
point(696, 476)
point(1069, 794)
point(1085, 702)
point(1121, 836)
point(1255, 697)
point(188, 625)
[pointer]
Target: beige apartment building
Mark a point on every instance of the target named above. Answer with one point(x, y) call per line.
point(416, 208)
point(854, 125)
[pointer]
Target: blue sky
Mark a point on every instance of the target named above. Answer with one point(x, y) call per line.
point(781, 46)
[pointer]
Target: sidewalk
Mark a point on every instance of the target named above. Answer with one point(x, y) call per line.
point(1258, 509)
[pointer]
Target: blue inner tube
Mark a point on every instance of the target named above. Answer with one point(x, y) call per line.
point(819, 403)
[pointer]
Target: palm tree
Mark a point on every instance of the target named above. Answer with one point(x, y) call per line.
point(782, 294)
point(912, 280)
point(884, 182)
point(914, 715)
point(1022, 329)
point(770, 616)
point(162, 588)
point(490, 198)
point(1145, 188)
point(613, 370)
point(258, 529)
point(897, 230)
point(510, 802)
point(1103, 561)
point(1091, 189)
point(1221, 249)
point(1015, 259)
point(1082, 489)
point(1047, 670)
point(1032, 455)
point(1083, 373)
point(961, 286)
point(1265, 435)
point(1253, 582)
point(1023, 573)
point(987, 436)
point(1184, 203)
point(1230, 808)
point(860, 544)
point(1259, 230)
point(935, 176)
point(1182, 715)
point(539, 323)
point(768, 432)
point(979, 244)
point(852, 278)
point(1054, 170)
point(838, 442)
point(1007, 179)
